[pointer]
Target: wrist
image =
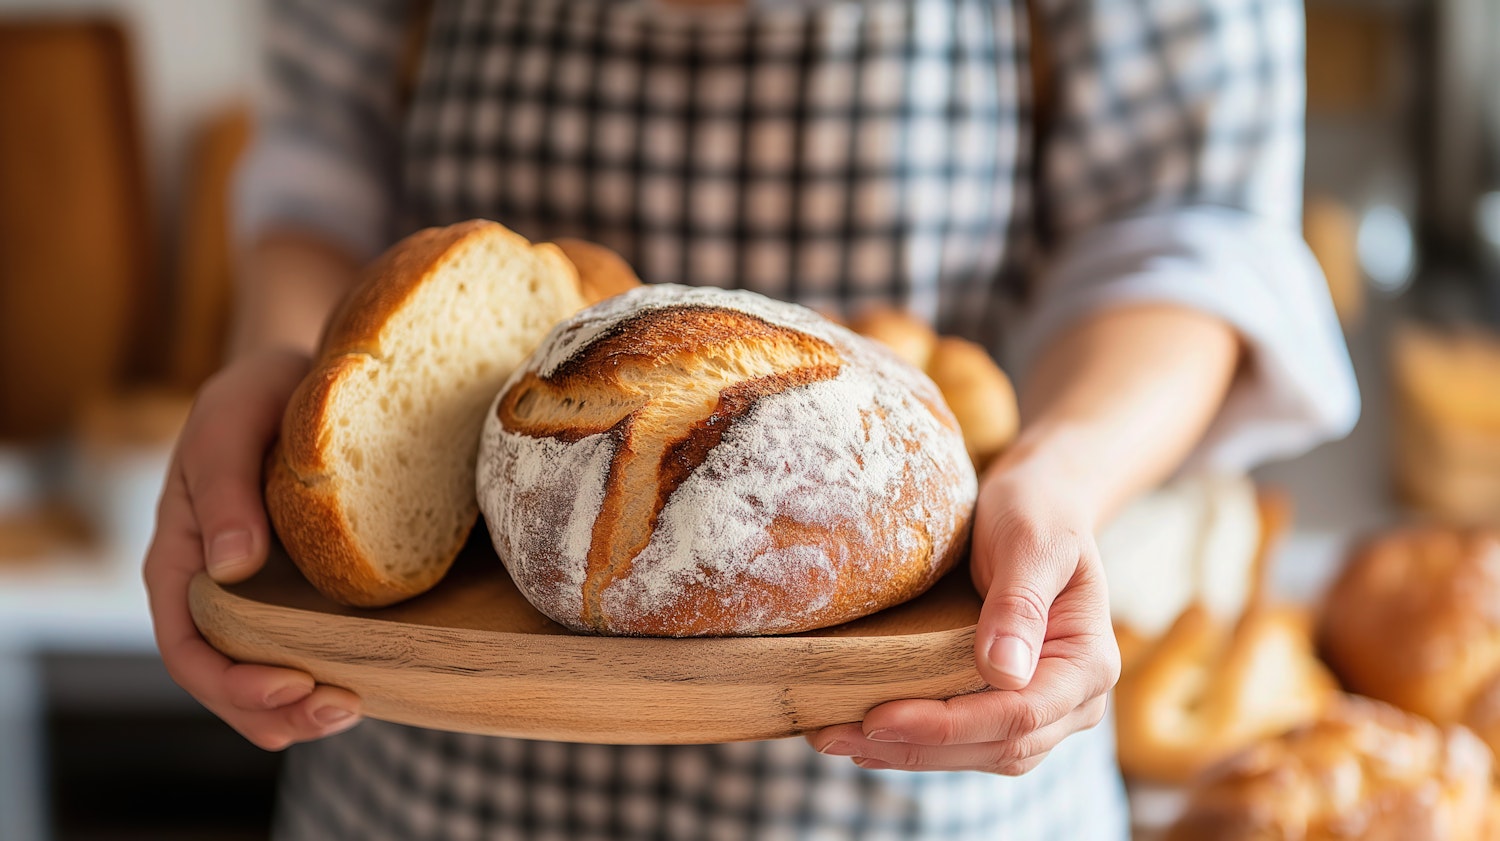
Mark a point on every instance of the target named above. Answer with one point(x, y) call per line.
point(1062, 459)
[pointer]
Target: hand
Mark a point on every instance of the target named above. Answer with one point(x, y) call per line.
point(211, 509)
point(1044, 642)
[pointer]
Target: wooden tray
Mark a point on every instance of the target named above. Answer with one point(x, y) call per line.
point(474, 656)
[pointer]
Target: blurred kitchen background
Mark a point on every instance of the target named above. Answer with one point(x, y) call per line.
point(120, 123)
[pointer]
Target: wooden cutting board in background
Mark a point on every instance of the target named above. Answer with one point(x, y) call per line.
point(205, 266)
point(76, 255)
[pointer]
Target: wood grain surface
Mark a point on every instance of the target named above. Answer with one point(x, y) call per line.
point(473, 655)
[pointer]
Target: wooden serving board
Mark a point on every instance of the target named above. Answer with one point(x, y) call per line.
point(473, 655)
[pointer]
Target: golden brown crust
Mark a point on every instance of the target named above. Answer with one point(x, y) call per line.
point(311, 526)
point(906, 335)
point(980, 395)
point(1363, 771)
point(302, 499)
point(601, 272)
point(1414, 619)
point(664, 385)
point(391, 280)
point(1204, 690)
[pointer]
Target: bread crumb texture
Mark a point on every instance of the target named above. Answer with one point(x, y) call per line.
point(388, 426)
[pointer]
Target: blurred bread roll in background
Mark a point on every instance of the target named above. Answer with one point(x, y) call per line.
point(601, 272)
point(1208, 688)
point(979, 393)
point(1208, 666)
point(1446, 390)
point(1197, 540)
point(1414, 619)
point(1364, 770)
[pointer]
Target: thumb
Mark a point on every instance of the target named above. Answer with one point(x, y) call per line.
point(222, 454)
point(1013, 621)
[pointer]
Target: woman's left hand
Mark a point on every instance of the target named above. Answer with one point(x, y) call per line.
point(1044, 642)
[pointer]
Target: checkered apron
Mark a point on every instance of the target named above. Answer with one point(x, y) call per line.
point(832, 153)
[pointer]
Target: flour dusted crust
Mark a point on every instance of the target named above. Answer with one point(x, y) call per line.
point(685, 461)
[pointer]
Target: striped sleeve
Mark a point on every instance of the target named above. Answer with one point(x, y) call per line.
point(325, 153)
point(1172, 173)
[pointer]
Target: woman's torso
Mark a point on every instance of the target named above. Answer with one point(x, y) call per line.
point(837, 154)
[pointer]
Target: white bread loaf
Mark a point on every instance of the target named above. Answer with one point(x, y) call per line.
point(1196, 540)
point(371, 487)
point(692, 462)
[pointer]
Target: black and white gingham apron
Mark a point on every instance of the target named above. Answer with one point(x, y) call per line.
point(832, 153)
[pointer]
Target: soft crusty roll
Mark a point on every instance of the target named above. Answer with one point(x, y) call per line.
point(1207, 689)
point(601, 272)
point(979, 394)
point(906, 335)
point(371, 486)
point(690, 462)
point(976, 390)
point(1363, 771)
point(1230, 668)
point(1414, 619)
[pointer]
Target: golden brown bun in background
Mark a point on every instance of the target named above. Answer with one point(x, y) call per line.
point(371, 486)
point(698, 462)
point(1363, 771)
point(906, 335)
point(1206, 690)
point(601, 272)
point(1414, 619)
point(978, 392)
point(1230, 668)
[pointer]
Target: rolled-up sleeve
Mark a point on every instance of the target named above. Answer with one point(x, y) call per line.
point(1171, 173)
point(324, 155)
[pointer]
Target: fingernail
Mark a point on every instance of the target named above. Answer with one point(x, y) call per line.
point(1011, 656)
point(838, 748)
point(228, 551)
point(330, 715)
point(290, 693)
point(884, 736)
point(871, 764)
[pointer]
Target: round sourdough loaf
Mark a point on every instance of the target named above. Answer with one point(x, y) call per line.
point(683, 461)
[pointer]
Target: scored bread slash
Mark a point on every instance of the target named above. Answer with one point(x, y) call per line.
point(682, 461)
point(371, 486)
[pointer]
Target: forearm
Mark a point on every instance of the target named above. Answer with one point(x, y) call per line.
point(1115, 403)
point(289, 284)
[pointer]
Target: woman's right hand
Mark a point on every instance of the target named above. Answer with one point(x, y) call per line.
point(212, 517)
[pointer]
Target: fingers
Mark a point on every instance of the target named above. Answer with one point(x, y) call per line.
point(236, 417)
point(211, 515)
point(326, 711)
point(249, 686)
point(1010, 757)
point(273, 707)
point(1028, 570)
point(1063, 683)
